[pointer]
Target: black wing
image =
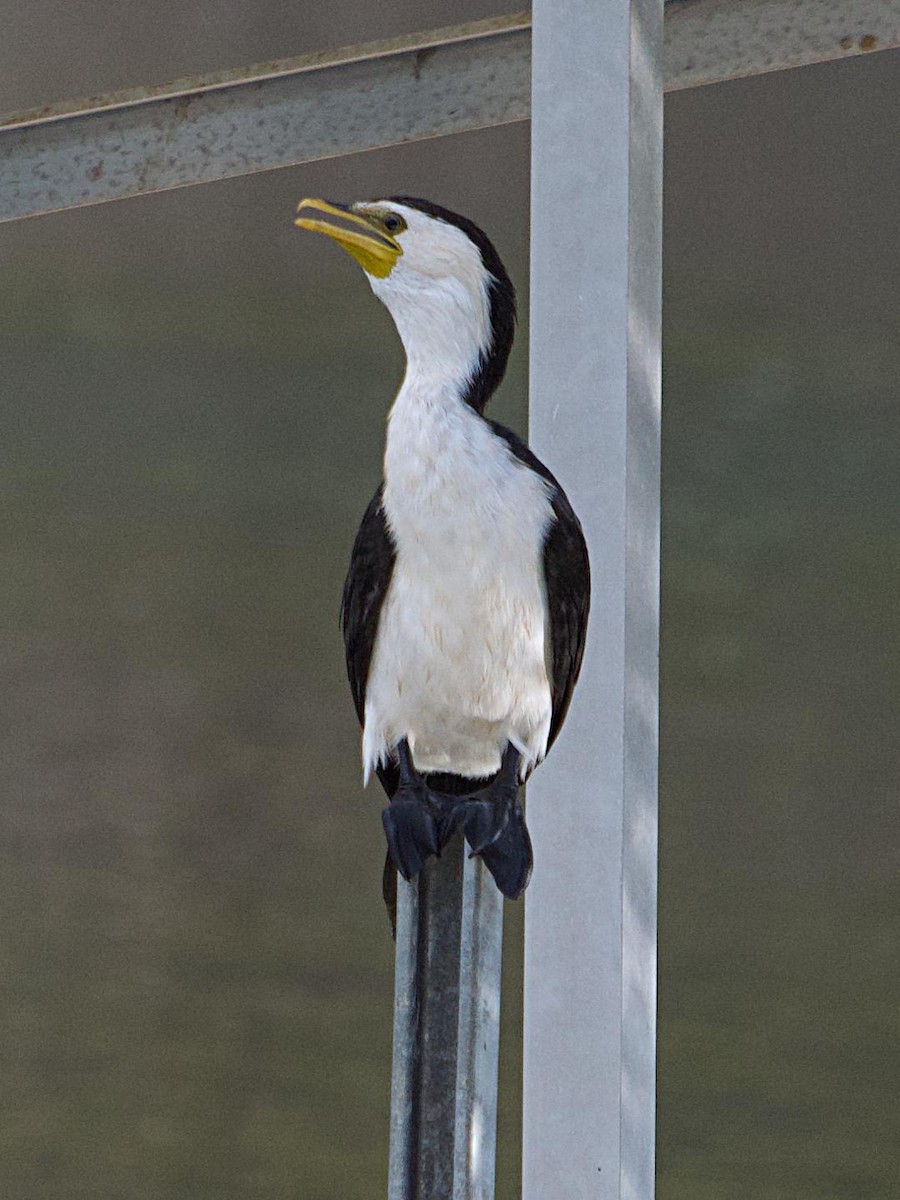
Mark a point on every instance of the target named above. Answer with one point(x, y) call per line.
point(568, 580)
point(366, 585)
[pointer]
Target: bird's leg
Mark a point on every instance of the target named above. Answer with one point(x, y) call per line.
point(409, 822)
point(495, 829)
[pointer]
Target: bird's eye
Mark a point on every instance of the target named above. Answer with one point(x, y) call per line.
point(392, 223)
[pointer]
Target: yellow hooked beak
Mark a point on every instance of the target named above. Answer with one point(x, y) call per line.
point(375, 250)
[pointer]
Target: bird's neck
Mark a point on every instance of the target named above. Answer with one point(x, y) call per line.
point(445, 329)
point(427, 420)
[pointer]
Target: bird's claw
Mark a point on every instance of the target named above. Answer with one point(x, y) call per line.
point(412, 834)
point(508, 855)
point(483, 823)
point(419, 822)
point(494, 827)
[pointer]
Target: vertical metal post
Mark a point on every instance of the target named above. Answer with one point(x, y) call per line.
point(446, 1032)
point(590, 941)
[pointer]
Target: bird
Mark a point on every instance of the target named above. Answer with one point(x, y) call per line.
point(465, 608)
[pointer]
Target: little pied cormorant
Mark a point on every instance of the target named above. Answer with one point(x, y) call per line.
point(465, 607)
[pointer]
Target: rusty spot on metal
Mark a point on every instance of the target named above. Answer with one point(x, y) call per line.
point(421, 58)
point(96, 171)
point(846, 43)
point(184, 103)
point(868, 41)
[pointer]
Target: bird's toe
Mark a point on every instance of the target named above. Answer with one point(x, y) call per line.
point(412, 835)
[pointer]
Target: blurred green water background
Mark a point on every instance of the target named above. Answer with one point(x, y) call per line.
point(195, 992)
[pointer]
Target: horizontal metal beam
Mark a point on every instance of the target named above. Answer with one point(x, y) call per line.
point(321, 105)
point(274, 115)
point(709, 41)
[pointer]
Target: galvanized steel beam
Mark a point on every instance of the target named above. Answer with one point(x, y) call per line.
point(590, 912)
point(446, 1032)
point(709, 41)
point(274, 115)
point(385, 93)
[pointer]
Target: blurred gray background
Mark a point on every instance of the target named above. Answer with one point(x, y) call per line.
point(195, 991)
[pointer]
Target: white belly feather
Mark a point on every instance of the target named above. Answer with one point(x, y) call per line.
point(459, 665)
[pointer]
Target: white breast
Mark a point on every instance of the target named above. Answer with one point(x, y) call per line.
point(459, 663)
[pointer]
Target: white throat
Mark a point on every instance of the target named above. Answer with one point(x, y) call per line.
point(444, 325)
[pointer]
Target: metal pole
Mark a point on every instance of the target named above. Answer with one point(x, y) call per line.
point(590, 939)
point(446, 1032)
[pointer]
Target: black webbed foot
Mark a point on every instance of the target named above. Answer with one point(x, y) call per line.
point(411, 819)
point(484, 822)
point(411, 832)
point(508, 857)
point(419, 822)
point(494, 826)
